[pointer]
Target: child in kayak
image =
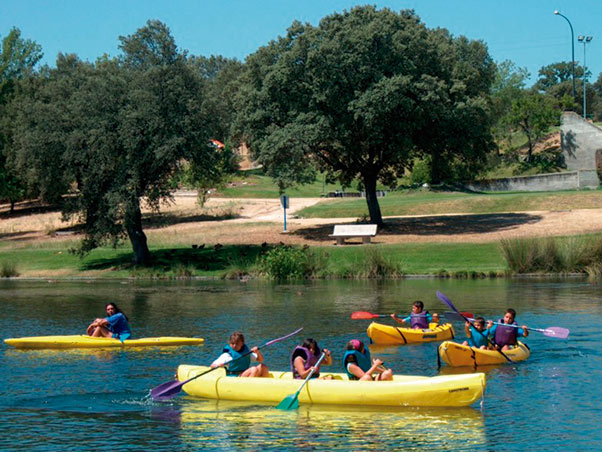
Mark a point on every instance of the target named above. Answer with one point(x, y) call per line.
point(115, 325)
point(359, 365)
point(506, 337)
point(477, 334)
point(304, 358)
point(237, 356)
point(419, 318)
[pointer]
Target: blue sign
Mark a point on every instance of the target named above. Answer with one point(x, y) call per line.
point(284, 201)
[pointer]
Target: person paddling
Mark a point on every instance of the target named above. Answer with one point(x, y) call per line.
point(419, 318)
point(237, 364)
point(506, 337)
point(360, 366)
point(477, 334)
point(305, 357)
point(115, 325)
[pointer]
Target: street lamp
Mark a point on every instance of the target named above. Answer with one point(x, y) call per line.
point(584, 40)
point(572, 50)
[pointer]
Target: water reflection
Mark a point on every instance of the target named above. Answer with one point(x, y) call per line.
point(236, 425)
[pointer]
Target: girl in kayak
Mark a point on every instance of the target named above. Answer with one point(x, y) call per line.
point(359, 365)
point(477, 334)
point(304, 358)
point(419, 318)
point(115, 325)
point(237, 356)
point(506, 337)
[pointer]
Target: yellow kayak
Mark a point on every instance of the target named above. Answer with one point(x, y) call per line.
point(404, 390)
point(83, 341)
point(392, 335)
point(458, 355)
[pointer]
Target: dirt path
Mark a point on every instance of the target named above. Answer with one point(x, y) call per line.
point(254, 221)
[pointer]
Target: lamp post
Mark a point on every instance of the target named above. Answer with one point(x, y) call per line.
point(584, 40)
point(572, 50)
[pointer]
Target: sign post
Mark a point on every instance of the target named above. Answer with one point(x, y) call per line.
point(284, 204)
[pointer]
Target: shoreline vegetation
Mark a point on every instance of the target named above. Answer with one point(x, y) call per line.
point(175, 258)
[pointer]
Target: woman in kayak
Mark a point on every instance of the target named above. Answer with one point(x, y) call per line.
point(359, 365)
point(304, 358)
point(115, 325)
point(236, 356)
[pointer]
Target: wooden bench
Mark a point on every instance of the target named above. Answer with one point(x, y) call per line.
point(348, 231)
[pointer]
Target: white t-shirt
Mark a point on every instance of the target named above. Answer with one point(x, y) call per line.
point(225, 358)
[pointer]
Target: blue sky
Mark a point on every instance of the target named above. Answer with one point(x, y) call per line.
point(526, 31)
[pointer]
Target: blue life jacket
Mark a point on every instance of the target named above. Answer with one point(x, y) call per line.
point(477, 338)
point(505, 335)
point(310, 360)
point(419, 320)
point(237, 366)
point(364, 361)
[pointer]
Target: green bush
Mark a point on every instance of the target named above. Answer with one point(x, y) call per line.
point(285, 263)
point(553, 255)
point(8, 269)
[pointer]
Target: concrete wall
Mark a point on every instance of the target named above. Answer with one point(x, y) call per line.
point(571, 180)
point(580, 141)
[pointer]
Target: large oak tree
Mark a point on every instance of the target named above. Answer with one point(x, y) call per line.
point(360, 96)
point(113, 133)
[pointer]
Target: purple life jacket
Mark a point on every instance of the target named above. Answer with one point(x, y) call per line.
point(505, 335)
point(419, 320)
point(309, 358)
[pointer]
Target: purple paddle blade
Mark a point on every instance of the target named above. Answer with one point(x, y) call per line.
point(166, 390)
point(447, 301)
point(556, 331)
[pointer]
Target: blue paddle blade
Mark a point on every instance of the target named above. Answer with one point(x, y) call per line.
point(290, 402)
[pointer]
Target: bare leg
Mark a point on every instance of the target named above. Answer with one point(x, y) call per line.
point(386, 375)
point(260, 370)
point(101, 331)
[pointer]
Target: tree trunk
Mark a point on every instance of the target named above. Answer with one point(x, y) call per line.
point(133, 225)
point(12, 206)
point(373, 206)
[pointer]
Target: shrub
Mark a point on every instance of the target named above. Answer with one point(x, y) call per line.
point(374, 264)
point(284, 263)
point(8, 270)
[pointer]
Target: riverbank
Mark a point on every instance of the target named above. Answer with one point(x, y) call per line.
point(227, 238)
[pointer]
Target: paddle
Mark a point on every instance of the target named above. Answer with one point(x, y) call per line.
point(551, 331)
point(365, 315)
point(291, 402)
point(448, 302)
point(170, 389)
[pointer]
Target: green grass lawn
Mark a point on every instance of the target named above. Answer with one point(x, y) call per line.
point(419, 202)
point(427, 258)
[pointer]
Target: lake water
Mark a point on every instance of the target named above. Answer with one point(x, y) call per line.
point(96, 400)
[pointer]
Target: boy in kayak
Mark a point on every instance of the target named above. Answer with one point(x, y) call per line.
point(359, 365)
point(506, 337)
point(419, 318)
point(115, 325)
point(304, 358)
point(237, 356)
point(477, 334)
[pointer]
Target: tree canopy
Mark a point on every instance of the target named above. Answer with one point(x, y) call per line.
point(111, 134)
point(360, 95)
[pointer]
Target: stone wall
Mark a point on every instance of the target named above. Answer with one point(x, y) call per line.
point(570, 180)
point(580, 141)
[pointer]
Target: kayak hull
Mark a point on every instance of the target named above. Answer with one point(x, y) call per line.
point(392, 335)
point(83, 341)
point(458, 355)
point(447, 390)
